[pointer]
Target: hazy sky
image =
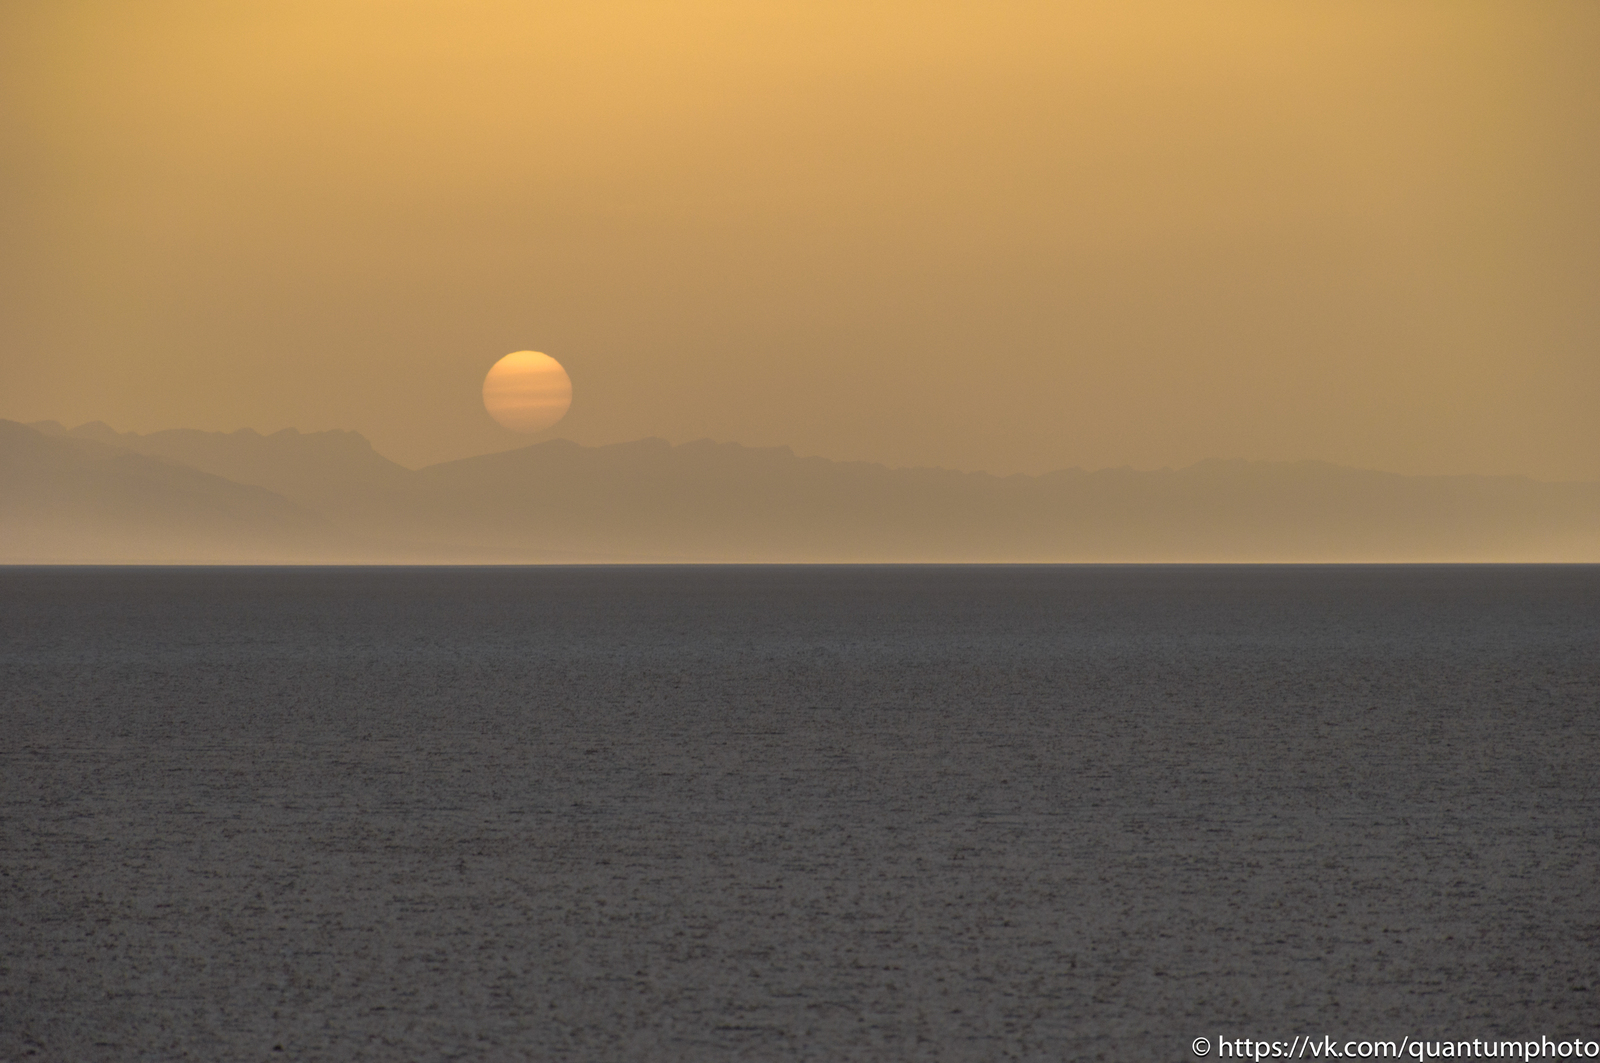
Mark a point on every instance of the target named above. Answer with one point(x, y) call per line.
point(1001, 235)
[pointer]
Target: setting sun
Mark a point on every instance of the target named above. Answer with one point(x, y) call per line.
point(527, 391)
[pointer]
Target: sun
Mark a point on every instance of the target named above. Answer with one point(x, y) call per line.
point(527, 391)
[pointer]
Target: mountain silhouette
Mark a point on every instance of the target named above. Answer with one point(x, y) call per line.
point(313, 469)
point(102, 495)
point(78, 500)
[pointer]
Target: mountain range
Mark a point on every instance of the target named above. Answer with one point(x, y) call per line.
point(95, 495)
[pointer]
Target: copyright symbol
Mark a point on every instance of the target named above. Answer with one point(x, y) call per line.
point(1201, 1046)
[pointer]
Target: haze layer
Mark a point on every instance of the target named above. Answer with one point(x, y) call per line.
point(1012, 237)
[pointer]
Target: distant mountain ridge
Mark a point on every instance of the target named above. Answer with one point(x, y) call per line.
point(80, 500)
point(308, 466)
point(328, 496)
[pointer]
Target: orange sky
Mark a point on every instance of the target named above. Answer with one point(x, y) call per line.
point(1002, 235)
